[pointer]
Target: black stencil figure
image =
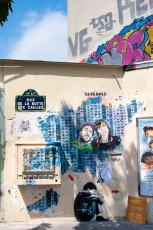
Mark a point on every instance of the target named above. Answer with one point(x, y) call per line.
point(86, 204)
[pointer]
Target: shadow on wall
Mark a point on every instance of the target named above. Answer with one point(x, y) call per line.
point(131, 158)
point(43, 226)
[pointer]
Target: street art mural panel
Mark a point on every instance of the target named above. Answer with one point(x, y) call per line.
point(89, 134)
point(134, 43)
point(39, 164)
point(88, 140)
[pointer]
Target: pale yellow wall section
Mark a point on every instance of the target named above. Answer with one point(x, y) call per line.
point(67, 83)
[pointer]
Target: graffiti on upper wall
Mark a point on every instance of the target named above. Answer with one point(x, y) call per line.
point(105, 22)
point(133, 43)
point(92, 132)
point(50, 200)
point(87, 204)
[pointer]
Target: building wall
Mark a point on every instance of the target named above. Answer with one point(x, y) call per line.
point(106, 33)
point(2, 141)
point(76, 94)
point(139, 86)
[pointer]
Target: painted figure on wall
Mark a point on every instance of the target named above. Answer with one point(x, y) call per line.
point(87, 202)
point(86, 133)
point(104, 140)
point(147, 159)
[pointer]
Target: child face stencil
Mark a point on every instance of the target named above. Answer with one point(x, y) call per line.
point(148, 131)
point(148, 160)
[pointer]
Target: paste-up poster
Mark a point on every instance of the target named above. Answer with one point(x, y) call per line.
point(103, 172)
point(145, 154)
point(26, 124)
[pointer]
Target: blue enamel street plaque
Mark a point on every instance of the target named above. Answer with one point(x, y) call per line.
point(30, 101)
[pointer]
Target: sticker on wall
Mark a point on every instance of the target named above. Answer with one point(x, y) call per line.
point(134, 39)
point(26, 124)
point(30, 101)
point(87, 202)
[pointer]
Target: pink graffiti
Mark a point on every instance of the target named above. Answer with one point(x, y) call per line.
point(134, 44)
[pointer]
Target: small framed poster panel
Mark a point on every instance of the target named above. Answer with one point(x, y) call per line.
point(38, 164)
point(145, 155)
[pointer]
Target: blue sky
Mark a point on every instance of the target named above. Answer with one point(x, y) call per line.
point(37, 30)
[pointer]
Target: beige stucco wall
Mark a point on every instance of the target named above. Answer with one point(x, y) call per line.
point(60, 83)
point(139, 84)
point(69, 85)
point(109, 19)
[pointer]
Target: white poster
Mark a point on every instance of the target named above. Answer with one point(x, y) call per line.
point(103, 172)
point(26, 124)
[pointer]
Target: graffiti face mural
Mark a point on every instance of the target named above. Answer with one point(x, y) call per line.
point(88, 135)
point(104, 140)
point(87, 202)
point(133, 43)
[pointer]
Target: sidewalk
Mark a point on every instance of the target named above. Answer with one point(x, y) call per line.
point(69, 225)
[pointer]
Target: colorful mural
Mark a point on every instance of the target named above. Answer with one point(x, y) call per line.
point(86, 139)
point(92, 132)
point(134, 43)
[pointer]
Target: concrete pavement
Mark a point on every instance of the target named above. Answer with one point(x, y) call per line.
point(74, 225)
